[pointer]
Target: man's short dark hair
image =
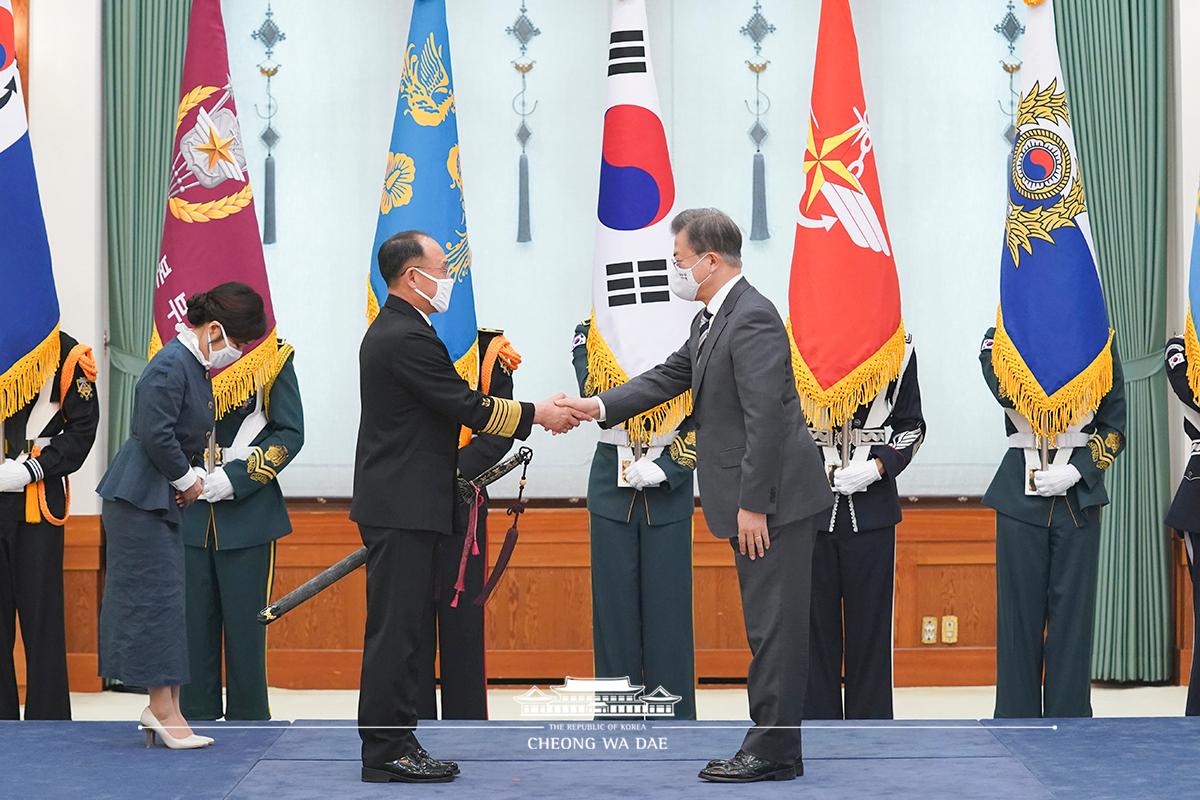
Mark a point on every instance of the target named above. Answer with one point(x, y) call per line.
point(710, 230)
point(396, 253)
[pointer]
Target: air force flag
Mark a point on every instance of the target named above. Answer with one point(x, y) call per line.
point(1190, 341)
point(422, 185)
point(1052, 342)
point(636, 321)
point(29, 345)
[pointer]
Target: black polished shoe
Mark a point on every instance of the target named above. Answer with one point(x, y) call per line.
point(452, 765)
point(412, 768)
point(716, 762)
point(747, 768)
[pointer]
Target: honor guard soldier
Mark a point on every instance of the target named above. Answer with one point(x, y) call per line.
point(1184, 514)
point(453, 623)
point(1048, 553)
point(229, 548)
point(640, 519)
point(43, 443)
point(854, 557)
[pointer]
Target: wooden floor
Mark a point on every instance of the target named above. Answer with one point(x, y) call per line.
point(539, 620)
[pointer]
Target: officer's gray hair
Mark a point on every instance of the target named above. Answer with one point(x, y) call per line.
point(710, 230)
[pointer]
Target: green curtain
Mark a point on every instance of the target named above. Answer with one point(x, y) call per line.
point(144, 43)
point(1116, 65)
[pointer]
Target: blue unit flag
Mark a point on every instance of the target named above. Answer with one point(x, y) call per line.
point(422, 186)
point(1190, 341)
point(1052, 345)
point(29, 349)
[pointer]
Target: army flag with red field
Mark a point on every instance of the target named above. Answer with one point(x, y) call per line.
point(211, 233)
point(844, 298)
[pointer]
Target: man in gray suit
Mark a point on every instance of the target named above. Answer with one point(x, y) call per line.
point(761, 478)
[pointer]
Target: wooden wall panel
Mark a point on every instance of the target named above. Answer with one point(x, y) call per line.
point(539, 620)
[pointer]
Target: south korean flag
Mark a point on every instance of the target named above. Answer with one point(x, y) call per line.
point(636, 315)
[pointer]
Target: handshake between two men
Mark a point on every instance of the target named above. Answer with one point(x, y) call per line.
point(559, 414)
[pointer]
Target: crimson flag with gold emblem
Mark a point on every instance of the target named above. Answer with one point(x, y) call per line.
point(211, 233)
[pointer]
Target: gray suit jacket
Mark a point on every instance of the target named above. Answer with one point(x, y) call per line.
point(752, 443)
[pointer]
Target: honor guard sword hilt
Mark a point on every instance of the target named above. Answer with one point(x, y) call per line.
point(310, 588)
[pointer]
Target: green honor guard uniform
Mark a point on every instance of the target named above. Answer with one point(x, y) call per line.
point(230, 548)
point(641, 548)
point(1048, 554)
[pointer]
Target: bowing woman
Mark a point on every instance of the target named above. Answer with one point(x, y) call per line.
point(143, 633)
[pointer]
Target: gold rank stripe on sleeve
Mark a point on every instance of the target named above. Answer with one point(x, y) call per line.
point(683, 450)
point(506, 416)
point(1104, 451)
point(258, 467)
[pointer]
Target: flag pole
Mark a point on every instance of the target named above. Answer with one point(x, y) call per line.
point(1044, 447)
point(846, 443)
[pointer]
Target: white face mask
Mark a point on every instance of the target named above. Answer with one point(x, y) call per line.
point(441, 298)
point(682, 282)
point(219, 359)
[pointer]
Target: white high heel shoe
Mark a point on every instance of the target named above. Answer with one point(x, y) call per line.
point(152, 726)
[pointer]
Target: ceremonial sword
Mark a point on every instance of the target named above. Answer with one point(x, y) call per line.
point(306, 590)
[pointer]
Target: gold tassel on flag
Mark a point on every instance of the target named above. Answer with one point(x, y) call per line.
point(605, 373)
point(25, 379)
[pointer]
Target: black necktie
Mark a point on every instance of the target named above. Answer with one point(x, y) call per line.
point(705, 320)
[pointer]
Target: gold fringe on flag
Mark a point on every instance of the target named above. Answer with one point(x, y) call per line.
point(605, 373)
point(1050, 416)
point(1191, 347)
point(238, 382)
point(24, 379)
point(830, 408)
point(155, 343)
point(286, 351)
point(372, 303)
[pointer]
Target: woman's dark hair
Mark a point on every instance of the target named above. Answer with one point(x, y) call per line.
point(235, 305)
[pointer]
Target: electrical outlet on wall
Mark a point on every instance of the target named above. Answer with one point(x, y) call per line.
point(949, 629)
point(929, 630)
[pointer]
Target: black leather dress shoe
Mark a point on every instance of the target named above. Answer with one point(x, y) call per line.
point(412, 768)
point(718, 761)
point(747, 768)
point(453, 765)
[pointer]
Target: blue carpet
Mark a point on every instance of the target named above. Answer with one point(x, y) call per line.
point(97, 760)
point(1111, 758)
point(684, 741)
point(944, 779)
point(1094, 759)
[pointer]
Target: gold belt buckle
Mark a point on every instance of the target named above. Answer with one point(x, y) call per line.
point(29, 445)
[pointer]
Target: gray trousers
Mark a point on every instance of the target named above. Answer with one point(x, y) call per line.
point(776, 591)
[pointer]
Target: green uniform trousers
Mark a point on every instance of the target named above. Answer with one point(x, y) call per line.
point(225, 591)
point(642, 605)
point(1045, 602)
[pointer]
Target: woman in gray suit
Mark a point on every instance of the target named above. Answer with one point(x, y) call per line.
point(143, 634)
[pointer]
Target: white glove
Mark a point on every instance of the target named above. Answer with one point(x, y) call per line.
point(217, 486)
point(1055, 479)
point(236, 454)
point(13, 476)
point(855, 476)
point(644, 473)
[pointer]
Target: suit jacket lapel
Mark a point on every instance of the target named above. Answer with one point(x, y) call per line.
point(714, 332)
